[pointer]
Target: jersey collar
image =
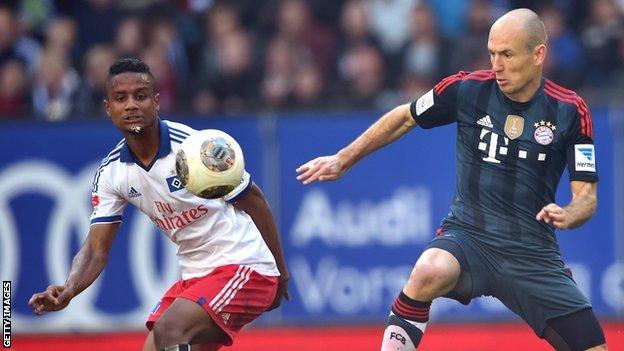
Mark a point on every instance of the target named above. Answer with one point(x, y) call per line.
point(164, 147)
point(521, 106)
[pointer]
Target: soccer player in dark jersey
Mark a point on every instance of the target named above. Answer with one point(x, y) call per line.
point(516, 131)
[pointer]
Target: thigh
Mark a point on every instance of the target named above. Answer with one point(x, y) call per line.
point(434, 274)
point(539, 289)
point(165, 301)
point(194, 321)
point(576, 331)
point(151, 346)
point(229, 297)
point(232, 296)
point(475, 274)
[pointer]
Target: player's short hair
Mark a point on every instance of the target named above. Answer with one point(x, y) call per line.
point(532, 25)
point(535, 31)
point(129, 64)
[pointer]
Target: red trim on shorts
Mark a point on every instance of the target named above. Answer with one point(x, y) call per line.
point(229, 291)
point(440, 231)
point(232, 295)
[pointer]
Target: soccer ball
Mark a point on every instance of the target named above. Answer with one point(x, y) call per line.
point(210, 163)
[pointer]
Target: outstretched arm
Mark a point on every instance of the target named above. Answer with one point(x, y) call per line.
point(577, 212)
point(256, 206)
point(86, 267)
point(387, 129)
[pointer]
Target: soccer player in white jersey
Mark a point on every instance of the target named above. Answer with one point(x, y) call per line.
point(230, 255)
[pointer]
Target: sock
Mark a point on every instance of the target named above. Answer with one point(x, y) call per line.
point(179, 347)
point(406, 324)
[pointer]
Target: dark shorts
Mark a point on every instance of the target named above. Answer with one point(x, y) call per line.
point(537, 287)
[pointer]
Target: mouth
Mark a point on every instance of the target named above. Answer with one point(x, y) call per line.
point(132, 119)
point(502, 81)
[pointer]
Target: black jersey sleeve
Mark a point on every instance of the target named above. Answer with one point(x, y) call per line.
point(580, 151)
point(438, 106)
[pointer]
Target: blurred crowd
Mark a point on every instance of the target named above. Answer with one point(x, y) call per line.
point(214, 57)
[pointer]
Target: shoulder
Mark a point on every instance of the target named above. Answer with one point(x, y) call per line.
point(180, 127)
point(558, 93)
point(464, 76)
point(114, 154)
point(178, 131)
point(104, 167)
point(569, 102)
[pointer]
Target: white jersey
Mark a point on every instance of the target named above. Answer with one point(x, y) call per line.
point(209, 233)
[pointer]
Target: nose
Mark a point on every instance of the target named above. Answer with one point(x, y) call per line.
point(131, 104)
point(497, 65)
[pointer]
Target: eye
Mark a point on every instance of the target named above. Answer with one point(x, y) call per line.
point(507, 55)
point(141, 97)
point(119, 98)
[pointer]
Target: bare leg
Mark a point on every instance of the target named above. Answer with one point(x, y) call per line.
point(149, 342)
point(435, 273)
point(602, 347)
point(185, 322)
point(150, 346)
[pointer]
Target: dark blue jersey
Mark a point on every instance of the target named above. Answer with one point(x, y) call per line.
point(510, 155)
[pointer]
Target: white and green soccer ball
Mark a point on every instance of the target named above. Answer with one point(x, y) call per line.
point(210, 163)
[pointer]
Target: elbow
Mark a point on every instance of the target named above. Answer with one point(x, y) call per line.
point(408, 121)
point(590, 210)
point(591, 199)
point(593, 204)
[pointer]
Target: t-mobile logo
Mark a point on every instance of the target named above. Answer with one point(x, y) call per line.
point(491, 144)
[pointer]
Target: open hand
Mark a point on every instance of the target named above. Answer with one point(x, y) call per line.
point(54, 298)
point(321, 169)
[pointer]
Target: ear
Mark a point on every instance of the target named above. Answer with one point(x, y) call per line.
point(540, 54)
point(157, 101)
point(106, 107)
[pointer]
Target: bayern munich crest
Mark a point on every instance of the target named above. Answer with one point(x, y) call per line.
point(544, 132)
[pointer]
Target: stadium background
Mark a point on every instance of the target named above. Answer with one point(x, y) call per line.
point(290, 80)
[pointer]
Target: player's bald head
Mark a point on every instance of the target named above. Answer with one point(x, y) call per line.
point(526, 22)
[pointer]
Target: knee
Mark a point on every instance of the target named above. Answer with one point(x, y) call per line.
point(430, 279)
point(428, 274)
point(167, 332)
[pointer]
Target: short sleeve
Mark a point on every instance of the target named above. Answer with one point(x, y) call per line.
point(108, 205)
point(240, 190)
point(580, 150)
point(438, 106)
